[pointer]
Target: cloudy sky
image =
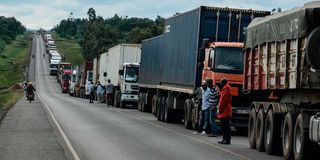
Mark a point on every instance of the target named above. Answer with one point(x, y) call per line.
point(47, 13)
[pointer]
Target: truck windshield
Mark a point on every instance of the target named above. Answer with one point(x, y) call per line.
point(132, 74)
point(66, 77)
point(229, 59)
point(67, 67)
point(53, 65)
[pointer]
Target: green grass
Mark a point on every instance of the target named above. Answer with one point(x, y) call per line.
point(71, 48)
point(12, 73)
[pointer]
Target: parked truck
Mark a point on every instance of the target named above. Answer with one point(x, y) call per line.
point(63, 76)
point(122, 68)
point(282, 67)
point(172, 64)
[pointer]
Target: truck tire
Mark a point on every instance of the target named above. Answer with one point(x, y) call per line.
point(143, 105)
point(302, 147)
point(287, 135)
point(167, 111)
point(272, 139)
point(154, 104)
point(313, 48)
point(187, 114)
point(117, 98)
point(163, 105)
point(259, 129)
point(251, 129)
point(159, 100)
point(139, 101)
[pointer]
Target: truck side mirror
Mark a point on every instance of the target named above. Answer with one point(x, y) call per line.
point(202, 50)
point(120, 72)
point(104, 74)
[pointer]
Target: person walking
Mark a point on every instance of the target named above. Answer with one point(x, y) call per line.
point(91, 90)
point(225, 111)
point(100, 92)
point(213, 102)
point(109, 92)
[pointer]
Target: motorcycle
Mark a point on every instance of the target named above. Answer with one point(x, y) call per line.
point(30, 96)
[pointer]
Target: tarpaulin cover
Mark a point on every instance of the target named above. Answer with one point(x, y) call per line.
point(290, 24)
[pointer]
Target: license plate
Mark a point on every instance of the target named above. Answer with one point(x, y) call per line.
point(242, 111)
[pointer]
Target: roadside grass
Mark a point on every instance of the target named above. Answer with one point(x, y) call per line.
point(70, 48)
point(12, 62)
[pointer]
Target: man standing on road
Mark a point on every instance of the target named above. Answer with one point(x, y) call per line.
point(225, 111)
point(213, 102)
point(91, 90)
point(100, 91)
point(109, 92)
point(201, 113)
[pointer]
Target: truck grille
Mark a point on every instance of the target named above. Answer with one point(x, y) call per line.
point(134, 87)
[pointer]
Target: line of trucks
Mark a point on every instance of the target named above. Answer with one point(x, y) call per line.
point(271, 62)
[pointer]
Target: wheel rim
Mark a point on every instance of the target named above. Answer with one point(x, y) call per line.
point(298, 139)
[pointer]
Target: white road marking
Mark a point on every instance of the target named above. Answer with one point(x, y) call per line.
point(185, 135)
point(64, 136)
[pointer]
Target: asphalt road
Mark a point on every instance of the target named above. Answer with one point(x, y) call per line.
point(93, 131)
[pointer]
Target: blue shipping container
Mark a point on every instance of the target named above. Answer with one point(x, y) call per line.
point(172, 59)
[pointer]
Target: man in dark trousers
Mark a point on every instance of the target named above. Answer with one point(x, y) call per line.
point(225, 111)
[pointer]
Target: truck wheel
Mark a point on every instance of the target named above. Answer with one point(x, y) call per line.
point(154, 104)
point(123, 104)
point(187, 118)
point(167, 111)
point(163, 104)
point(272, 140)
point(159, 100)
point(259, 129)
point(139, 101)
point(287, 136)
point(117, 99)
point(302, 147)
point(143, 106)
point(251, 129)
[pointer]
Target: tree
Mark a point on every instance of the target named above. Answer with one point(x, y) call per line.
point(92, 14)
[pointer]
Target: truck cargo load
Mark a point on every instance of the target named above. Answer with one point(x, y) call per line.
point(282, 67)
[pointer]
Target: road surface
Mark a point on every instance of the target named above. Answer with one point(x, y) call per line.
point(93, 131)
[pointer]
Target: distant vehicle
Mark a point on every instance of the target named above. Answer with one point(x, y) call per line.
point(53, 66)
point(63, 76)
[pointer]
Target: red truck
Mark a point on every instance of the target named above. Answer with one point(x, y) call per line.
point(282, 66)
point(64, 74)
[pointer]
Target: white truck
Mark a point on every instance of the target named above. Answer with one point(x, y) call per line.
point(121, 65)
point(53, 67)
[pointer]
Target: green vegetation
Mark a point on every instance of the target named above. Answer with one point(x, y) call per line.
point(96, 34)
point(12, 62)
point(70, 48)
point(9, 29)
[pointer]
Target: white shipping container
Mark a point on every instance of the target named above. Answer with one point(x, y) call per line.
point(117, 55)
point(103, 68)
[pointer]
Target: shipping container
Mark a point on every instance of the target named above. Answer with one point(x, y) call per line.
point(174, 55)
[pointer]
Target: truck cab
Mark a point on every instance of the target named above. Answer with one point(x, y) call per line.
point(129, 83)
point(54, 67)
point(226, 60)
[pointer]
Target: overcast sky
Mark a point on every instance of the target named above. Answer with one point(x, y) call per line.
point(47, 13)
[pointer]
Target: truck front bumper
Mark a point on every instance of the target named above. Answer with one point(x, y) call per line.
point(129, 97)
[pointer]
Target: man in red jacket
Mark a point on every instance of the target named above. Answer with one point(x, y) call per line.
point(225, 111)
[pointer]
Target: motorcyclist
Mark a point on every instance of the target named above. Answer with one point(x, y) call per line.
point(30, 89)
